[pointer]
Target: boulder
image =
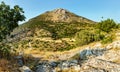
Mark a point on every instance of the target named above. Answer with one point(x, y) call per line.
point(45, 67)
point(25, 69)
point(53, 64)
point(20, 60)
point(83, 54)
point(91, 52)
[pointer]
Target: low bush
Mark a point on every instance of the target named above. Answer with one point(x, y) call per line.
point(107, 39)
point(107, 25)
point(87, 36)
point(4, 50)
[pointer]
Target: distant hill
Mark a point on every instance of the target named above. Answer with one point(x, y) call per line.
point(61, 15)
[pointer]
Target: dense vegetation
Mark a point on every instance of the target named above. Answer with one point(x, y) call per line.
point(9, 18)
point(107, 25)
point(57, 30)
point(87, 36)
point(83, 33)
point(101, 32)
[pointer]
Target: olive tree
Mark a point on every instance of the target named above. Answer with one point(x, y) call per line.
point(9, 18)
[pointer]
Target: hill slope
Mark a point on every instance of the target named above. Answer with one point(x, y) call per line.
point(53, 22)
point(61, 15)
point(51, 31)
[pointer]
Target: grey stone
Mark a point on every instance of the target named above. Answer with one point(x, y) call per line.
point(20, 60)
point(88, 52)
point(45, 67)
point(53, 64)
point(73, 63)
point(25, 69)
point(83, 54)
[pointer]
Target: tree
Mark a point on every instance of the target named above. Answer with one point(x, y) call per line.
point(9, 18)
point(106, 25)
point(84, 37)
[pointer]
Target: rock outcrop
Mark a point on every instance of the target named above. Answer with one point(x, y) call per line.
point(90, 60)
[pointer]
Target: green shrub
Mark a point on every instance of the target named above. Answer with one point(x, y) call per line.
point(106, 25)
point(4, 50)
point(87, 36)
point(65, 30)
point(84, 37)
point(107, 39)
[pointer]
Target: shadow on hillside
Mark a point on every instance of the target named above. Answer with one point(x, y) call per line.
point(14, 62)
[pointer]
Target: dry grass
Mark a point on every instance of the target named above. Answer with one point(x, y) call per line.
point(8, 65)
point(50, 55)
point(117, 60)
point(67, 70)
point(3, 65)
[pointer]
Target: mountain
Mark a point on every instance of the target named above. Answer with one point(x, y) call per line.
point(61, 15)
point(51, 31)
point(50, 20)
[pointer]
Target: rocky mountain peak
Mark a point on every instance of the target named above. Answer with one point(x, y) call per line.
point(62, 15)
point(60, 11)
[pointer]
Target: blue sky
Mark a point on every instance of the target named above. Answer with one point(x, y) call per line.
point(91, 9)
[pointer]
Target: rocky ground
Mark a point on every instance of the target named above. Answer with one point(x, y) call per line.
point(105, 59)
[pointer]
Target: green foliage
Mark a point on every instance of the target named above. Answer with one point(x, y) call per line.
point(106, 25)
point(46, 45)
point(9, 18)
point(87, 36)
point(108, 39)
point(65, 30)
point(57, 30)
point(4, 50)
point(53, 46)
point(118, 25)
point(65, 46)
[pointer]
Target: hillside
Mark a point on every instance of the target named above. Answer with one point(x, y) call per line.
point(61, 41)
point(61, 15)
point(53, 34)
point(52, 31)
